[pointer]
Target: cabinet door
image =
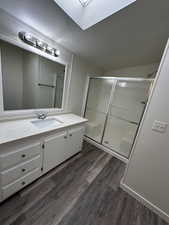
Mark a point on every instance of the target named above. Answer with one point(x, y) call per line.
point(55, 150)
point(75, 138)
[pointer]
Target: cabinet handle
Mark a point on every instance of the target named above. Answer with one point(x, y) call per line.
point(23, 183)
point(43, 145)
point(65, 137)
point(70, 135)
point(23, 156)
point(23, 170)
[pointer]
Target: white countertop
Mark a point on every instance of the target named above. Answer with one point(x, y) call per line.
point(18, 129)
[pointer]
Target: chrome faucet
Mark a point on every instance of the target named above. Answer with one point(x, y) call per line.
point(41, 115)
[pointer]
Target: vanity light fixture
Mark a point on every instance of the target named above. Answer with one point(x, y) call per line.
point(37, 43)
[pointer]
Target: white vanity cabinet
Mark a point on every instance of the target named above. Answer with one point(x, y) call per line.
point(25, 160)
point(61, 146)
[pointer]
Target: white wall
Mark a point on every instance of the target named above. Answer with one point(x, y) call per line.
point(148, 170)
point(135, 71)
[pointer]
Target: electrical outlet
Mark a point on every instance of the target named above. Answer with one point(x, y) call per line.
point(159, 126)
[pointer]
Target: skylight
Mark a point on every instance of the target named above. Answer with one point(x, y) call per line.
point(87, 15)
point(85, 2)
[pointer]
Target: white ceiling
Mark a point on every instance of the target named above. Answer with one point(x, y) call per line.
point(136, 35)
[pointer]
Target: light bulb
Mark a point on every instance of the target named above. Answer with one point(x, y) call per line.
point(28, 37)
point(50, 50)
point(41, 44)
point(57, 53)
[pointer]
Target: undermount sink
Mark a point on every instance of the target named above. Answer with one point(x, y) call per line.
point(44, 123)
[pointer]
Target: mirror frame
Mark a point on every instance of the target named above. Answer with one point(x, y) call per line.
point(12, 114)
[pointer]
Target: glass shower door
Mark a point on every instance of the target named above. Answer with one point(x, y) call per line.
point(126, 110)
point(97, 107)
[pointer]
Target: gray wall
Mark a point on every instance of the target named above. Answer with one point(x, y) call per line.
point(80, 70)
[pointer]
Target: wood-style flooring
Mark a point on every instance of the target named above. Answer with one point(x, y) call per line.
point(82, 191)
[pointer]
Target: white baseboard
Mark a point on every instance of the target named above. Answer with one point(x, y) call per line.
point(100, 146)
point(145, 202)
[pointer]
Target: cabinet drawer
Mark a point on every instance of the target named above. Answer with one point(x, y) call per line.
point(20, 183)
point(21, 170)
point(8, 160)
point(80, 130)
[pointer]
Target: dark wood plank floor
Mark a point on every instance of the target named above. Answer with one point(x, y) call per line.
point(82, 191)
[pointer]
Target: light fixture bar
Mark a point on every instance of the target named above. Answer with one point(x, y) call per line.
point(37, 43)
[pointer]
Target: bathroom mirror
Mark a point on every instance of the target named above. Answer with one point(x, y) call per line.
point(30, 81)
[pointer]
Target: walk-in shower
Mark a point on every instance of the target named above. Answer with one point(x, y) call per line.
point(114, 108)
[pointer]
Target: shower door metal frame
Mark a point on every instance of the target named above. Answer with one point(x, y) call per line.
point(116, 79)
point(108, 108)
